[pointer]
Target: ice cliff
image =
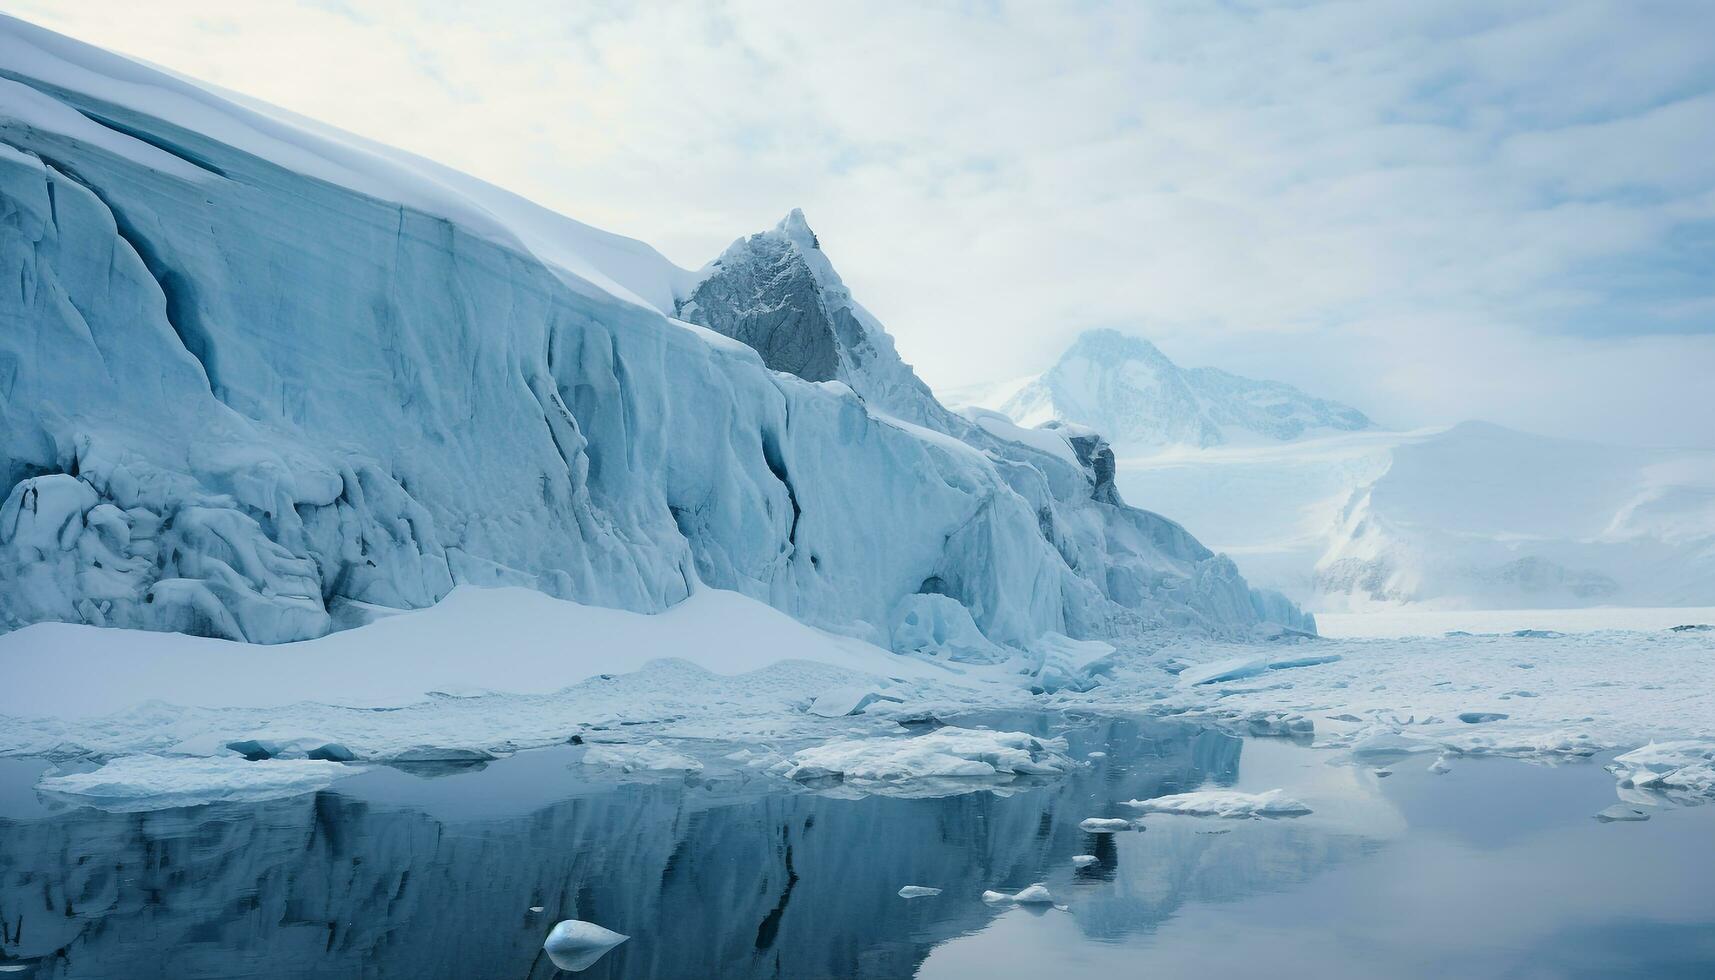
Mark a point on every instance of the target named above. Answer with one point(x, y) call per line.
point(255, 375)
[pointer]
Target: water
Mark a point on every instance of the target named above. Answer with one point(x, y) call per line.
point(1496, 869)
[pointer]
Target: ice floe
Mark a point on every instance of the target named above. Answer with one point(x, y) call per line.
point(1224, 803)
point(1037, 894)
point(575, 945)
point(918, 891)
point(150, 782)
point(1104, 825)
point(947, 753)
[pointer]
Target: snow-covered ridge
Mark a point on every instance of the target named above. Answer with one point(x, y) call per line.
point(260, 378)
point(1137, 397)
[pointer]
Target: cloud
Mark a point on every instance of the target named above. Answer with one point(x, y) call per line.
point(1466, 208)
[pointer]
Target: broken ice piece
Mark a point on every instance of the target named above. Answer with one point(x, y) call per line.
point(538, 908)
point(1622, 812)
point(1103, 825)
point(1441, 766)
point(1383, 773)
point(1083, 860)
point(1037, 894)
point(575, 945)
point(918, 891)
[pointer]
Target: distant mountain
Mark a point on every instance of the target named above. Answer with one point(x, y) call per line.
point(1129, 391)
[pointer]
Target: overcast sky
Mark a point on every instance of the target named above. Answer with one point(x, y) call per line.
point(1433, 210)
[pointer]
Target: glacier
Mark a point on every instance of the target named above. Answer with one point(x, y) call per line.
point(262, 381)
point(1313, 499)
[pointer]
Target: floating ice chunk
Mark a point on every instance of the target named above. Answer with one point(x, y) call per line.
point(149, 782)
point(1096, 755)
point(649, 757)
point(1083, 860)
point(1441, 766)
point(1104, 825)
point(1623, 812)
point(1224, 803)
point(1383, 773)
point(1390, 743)
point(1480, 717)
point(538, 909)
point(575, 945)
point(1683, 767)
point(1037, 894)
point(918, 891)
point(945, 752)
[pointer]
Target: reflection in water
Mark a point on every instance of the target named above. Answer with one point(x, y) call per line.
point(727, 874)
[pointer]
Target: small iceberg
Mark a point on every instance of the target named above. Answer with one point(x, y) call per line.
point(1225, 803)
point(1037, 894)
point(1083, 860)
point(947, 753)
point(918, 891)
point(1441, 766)
point(575, 945)
point(1623, 812)
point(1104, 825)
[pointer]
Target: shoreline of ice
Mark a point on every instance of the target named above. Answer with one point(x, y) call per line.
point(1649, 696)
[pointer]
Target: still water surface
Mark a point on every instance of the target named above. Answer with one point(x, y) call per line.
point(1493, 870)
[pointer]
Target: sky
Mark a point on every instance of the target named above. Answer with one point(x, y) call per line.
point(1498, 209)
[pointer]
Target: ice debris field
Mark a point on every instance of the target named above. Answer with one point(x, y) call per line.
point(132, 727)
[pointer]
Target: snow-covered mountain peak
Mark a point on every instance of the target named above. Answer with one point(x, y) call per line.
point(1126, 388)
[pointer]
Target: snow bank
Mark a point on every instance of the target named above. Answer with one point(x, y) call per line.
point(535, 645)
point(1224, 803)
point(947, 753)
point(147, 782)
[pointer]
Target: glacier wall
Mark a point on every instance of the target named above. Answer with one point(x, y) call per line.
point(251, 378)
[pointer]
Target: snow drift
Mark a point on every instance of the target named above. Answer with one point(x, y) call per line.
point(257, 378)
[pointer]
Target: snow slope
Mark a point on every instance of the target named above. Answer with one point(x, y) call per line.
point(259, 376)
point(1125, 388)
point(1470, 516)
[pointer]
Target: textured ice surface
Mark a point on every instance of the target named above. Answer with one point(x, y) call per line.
point(264, 379)
point(575, 945)
point(918, 891)
point(1224, 803)
point(147, 782)
point(945, 753)
point(652, 756)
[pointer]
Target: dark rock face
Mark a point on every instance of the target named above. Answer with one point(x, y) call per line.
point(763, 294)
point(1098, 458)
